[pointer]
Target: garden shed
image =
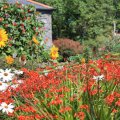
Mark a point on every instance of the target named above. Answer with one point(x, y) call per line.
point(45, 16)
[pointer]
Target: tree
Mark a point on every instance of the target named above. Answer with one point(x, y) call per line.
point(83, 19)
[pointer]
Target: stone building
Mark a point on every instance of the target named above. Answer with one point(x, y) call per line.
point(45, 16)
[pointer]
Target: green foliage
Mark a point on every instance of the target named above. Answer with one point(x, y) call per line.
point(76, 58)
point(113, 45)
point(21, 24)
point(83, 19)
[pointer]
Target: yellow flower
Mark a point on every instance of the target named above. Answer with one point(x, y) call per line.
point(54, 52)
point(83, 60)
point(3, 37)
point(9, 60)
point(35, 40)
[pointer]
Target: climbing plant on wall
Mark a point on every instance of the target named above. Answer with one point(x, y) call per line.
point(24, 33)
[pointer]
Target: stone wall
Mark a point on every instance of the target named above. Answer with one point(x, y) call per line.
point(46, 18)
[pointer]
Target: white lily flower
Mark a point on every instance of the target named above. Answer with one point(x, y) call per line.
point(6, 75)
point(7, 108)
point(100, 77)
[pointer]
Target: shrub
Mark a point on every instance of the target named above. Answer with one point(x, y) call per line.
point(68, 47)
point(103, 45)
point(23, 30)
point(113, 45)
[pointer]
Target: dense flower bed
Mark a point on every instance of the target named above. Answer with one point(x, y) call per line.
point(72, 92)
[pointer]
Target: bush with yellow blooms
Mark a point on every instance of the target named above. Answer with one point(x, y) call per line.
point(21, 33)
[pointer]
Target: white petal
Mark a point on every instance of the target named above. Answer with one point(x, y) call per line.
point(10, 110)
point(1, 70)
point(11, 106)
point(3, 104)
point(8, 70)
point(1, 107)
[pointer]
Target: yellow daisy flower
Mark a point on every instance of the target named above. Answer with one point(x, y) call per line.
point(54, 53)
point(35, 40)
point(9, 60)
point(3, 37)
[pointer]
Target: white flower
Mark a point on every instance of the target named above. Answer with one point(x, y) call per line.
point(18, 72)
point(3, 86)
point(6, 75)
point(100, 77)
point(6, 108)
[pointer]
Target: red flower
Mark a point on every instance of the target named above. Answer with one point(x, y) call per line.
point(56, 102)
point(114, 111)
point(109, 99)
point(80, 115)
point(117, 103)
point(86, 107)
point(65, 109)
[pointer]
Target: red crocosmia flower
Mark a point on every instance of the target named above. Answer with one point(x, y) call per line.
point(86, 107)
point(61, 96)
point(88, 87)
point(26, 108)
point(109, 99)
point(116, 94)
point(108, 56)
point(117, 103)
point(65, 109)
point(114, 111)
point(71, 99)
point(93, 92)
point(56, 102)
point(54, 117)
point(39, 117)
point(48, 95)
point(11, 114)
point(80, 115)
point(21, 117)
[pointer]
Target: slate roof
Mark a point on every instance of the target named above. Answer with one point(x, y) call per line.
point(38, 6)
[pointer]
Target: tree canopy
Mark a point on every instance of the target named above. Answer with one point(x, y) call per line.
point(84, 19)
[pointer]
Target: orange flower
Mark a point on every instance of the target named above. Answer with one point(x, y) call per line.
point(83, 60)
point(80, 115)
point(35, 40)
point(9, 60)
point(110, 98)
point(86, 107)
point(65, 109)
point(117, 103)
point(114, 111)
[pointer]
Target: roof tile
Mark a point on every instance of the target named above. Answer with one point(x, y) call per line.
point(37, 5)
